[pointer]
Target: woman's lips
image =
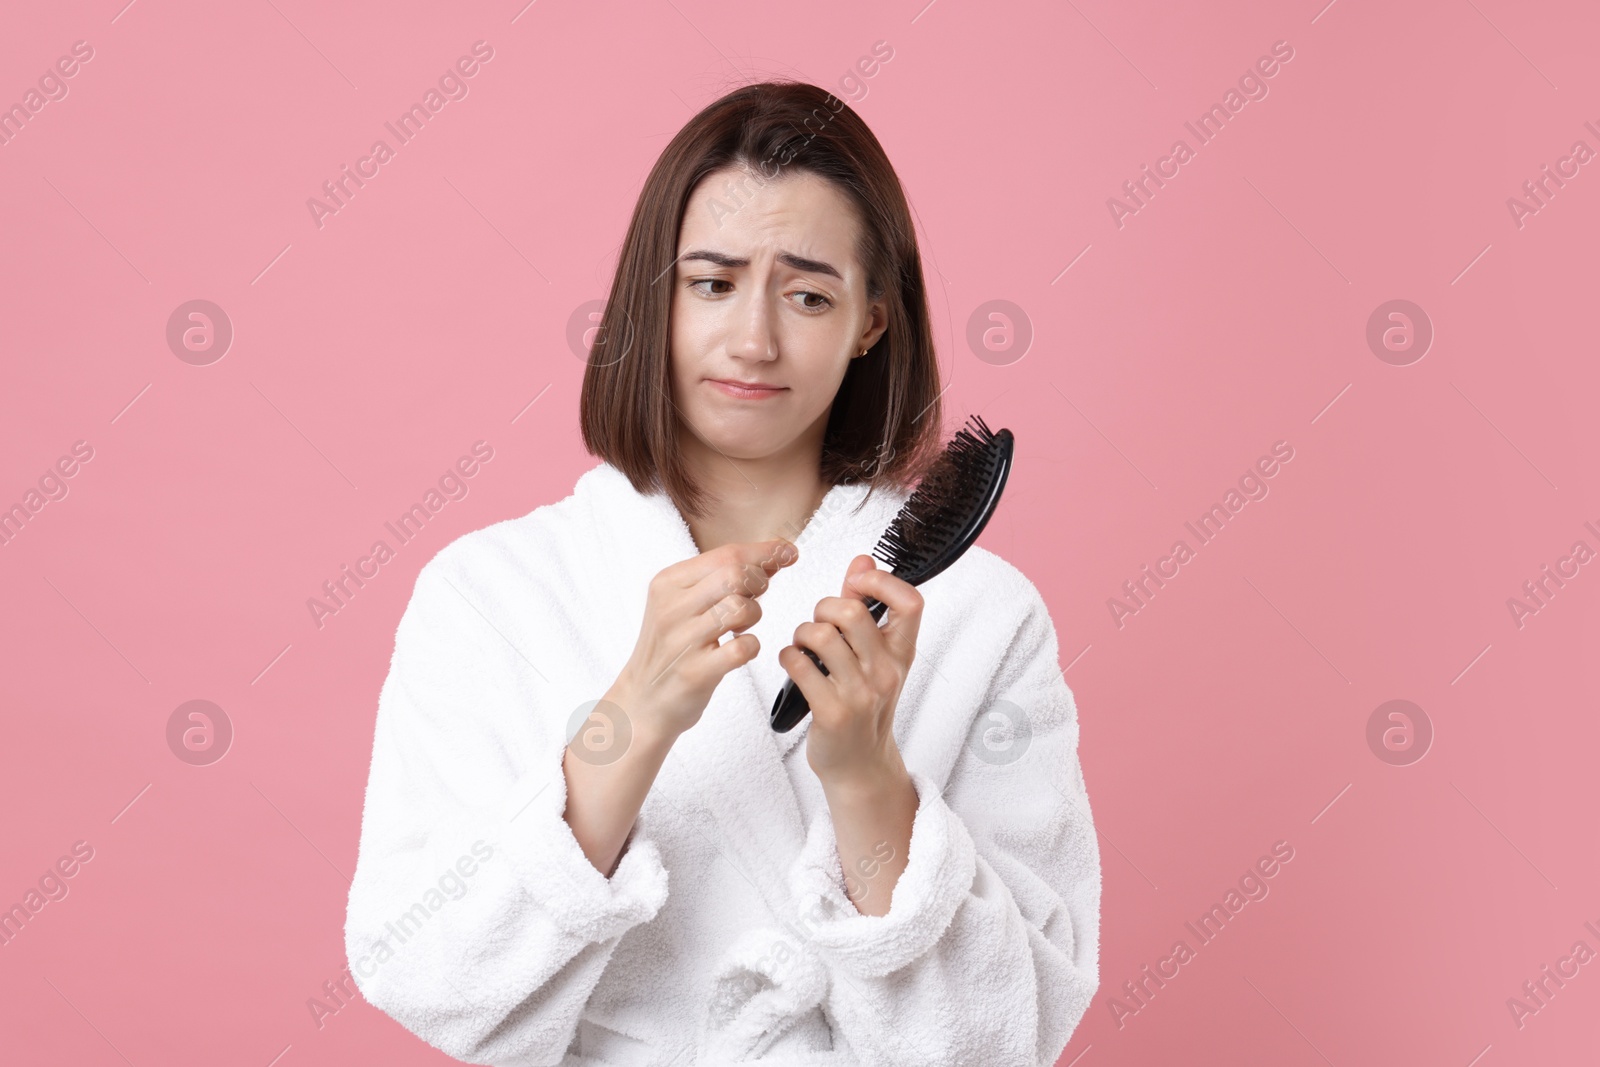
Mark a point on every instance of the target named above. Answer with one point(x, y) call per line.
point(745, 393)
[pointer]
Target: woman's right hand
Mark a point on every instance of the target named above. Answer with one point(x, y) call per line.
point(678, 660)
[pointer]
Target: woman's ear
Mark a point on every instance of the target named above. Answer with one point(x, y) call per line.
point(877, 324)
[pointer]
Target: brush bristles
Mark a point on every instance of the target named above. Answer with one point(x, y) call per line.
point(933, 516)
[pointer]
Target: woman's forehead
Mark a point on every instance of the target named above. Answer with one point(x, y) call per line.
point(800, 214)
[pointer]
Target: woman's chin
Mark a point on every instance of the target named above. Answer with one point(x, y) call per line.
point(756, 442)
point(748, 451)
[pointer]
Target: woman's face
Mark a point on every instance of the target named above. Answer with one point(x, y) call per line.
point(768, 290)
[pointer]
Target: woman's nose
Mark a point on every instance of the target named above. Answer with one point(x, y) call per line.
point(752, 334)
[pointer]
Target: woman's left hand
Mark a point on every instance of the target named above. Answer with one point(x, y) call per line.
point(851, 739)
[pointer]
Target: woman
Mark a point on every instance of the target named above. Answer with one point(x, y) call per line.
point(582, 842)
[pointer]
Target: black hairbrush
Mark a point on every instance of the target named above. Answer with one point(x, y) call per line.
point(936, 524)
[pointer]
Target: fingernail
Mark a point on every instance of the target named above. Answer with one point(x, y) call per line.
point(786, 553)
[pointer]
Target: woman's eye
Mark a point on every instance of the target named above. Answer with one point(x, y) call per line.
point(809, 301)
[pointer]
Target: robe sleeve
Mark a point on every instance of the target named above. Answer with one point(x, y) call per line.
point(474, 919)
point(989, 952)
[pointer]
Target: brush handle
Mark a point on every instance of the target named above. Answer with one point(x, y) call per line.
point(791, 705)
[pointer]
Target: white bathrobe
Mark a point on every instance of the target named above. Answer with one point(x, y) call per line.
point(725, 934)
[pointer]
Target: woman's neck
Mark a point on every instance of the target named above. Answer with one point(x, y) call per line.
point(754, 500)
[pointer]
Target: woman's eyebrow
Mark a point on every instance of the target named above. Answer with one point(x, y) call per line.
point(722, 259)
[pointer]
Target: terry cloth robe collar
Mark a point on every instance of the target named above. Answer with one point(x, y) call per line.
point(639, 535)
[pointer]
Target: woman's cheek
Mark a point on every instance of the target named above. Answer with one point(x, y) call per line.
point(688, 333)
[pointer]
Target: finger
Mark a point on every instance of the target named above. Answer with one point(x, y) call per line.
point(811, 682)
point(732, 613)
point(737, 574)
point(852, 619)
point(719, 589)
point(731, 655)
point(844, 667)
point(765, 555)
point(704, 629)
point(904, 620)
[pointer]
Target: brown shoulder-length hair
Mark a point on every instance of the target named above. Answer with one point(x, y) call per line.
point(884, 425)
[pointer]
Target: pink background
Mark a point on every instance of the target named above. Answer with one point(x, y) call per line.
point(1230, 312)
